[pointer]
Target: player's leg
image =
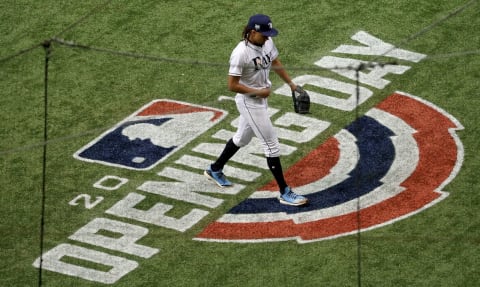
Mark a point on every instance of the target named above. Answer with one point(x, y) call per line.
point(229, 150)
point(215, 170)
point(241, 138)
point(260, 123)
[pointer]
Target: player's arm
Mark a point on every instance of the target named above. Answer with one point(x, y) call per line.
point(234, 85)
point(280, 70)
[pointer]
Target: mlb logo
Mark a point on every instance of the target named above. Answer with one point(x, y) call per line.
point(150, 135)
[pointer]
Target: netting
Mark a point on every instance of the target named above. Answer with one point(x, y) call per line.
point(59, 49)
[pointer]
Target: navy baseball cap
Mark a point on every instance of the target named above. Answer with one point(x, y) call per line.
point(262, 23)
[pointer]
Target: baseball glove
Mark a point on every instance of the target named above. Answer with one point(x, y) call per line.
point(301, 101)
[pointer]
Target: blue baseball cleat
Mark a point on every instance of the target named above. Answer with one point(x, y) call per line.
point(218, 177)
point(291, 198)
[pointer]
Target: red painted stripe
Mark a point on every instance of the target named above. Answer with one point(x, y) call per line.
point(171, 108)
point(438, 150)
point(313, 167)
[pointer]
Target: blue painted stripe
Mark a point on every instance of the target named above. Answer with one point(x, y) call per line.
point(376, 155)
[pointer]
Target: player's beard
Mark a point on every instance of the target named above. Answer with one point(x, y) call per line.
point(260, 43)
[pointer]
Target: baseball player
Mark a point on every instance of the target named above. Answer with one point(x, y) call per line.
point(248, 76)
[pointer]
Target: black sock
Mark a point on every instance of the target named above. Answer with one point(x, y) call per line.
point(275, 167)
point(227, 153)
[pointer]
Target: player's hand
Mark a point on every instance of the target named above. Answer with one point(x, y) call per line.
point(293, 87)
point(263, 93)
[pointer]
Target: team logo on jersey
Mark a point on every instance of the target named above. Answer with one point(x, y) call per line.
point(387, 165)
point(150, 135)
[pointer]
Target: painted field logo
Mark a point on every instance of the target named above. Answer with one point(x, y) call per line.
point(150, 135)
point(391, 163)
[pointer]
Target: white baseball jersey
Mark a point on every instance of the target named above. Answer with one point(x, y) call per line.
point(252, 64)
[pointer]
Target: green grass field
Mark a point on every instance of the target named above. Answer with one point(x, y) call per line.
point(110, 58)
